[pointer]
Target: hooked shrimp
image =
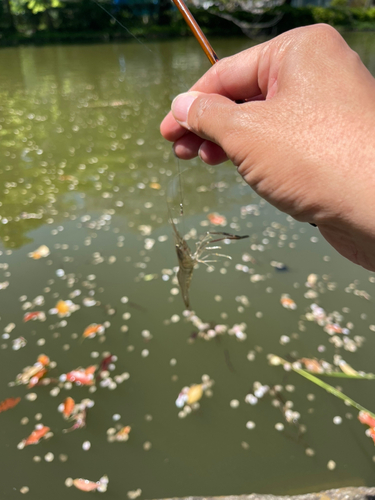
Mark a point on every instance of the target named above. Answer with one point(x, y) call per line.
point(187, 260)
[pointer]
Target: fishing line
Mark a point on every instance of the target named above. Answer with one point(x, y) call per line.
point(179, 174)
point(180, 188)
point(123, 26)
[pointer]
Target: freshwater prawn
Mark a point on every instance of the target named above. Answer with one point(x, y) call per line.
point(187, 260)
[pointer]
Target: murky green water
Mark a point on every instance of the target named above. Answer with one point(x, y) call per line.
point(85, 172)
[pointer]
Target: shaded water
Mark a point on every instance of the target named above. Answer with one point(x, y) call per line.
point(85, 172)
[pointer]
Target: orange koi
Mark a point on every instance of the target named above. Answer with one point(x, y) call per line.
point(366, 419)
point(67, 407)
point(372, 433)
point(312, 365)
point(92, 330)
point(36, 435)
point(43, 359)
point(90, 370)
point(9, 403)
point(85, 484)
point(217, 219)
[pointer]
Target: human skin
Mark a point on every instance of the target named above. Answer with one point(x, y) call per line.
point(304, 139)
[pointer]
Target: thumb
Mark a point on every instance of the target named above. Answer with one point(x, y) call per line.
point(210, 116)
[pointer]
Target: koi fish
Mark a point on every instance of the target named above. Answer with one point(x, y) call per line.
point(191, 395)
point(366, 419)
point(41, 431)
point(80, 376)
point(35, 378)
point(287, 302)
point(86, 485)
point(31, 371)
point(64, 308)
point(42, 251)
point(34, 315)
point(347, 369)
point(104, 365)
point(332, 328)
point(217, 219)
point(123, 434)
point(78, 412)
point(92, 330)
point(312, 365)
point(67, 407)
point(9, 403)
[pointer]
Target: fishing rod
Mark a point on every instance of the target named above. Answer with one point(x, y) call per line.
point(197, 32)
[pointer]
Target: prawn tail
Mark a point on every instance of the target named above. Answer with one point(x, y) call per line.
point(184, 280)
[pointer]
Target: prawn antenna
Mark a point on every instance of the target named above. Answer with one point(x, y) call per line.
point(228, 236)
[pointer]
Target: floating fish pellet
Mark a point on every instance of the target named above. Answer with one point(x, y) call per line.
point(49, 457)
point(24, 490)
point(86, 445)
point(234, 403)
point(331, 465)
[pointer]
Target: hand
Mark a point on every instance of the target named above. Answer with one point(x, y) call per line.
point(305, 138)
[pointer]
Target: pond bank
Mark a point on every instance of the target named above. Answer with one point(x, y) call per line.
point(350, 493)
point(68, 26)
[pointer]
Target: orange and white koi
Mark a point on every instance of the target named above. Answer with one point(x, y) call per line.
point(41, 431)
point(35, 378)
point(217, 219)
point(32, 371)
point(80, 376)
point(86, 485)
point(312, 365)
point(334, 328)
point(123, 433)
point(366, 419)
point(92, 330)
point(287, 302)
point(78, 413)
point(34, 315)
point(42, 251)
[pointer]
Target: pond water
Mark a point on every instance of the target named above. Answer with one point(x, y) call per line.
point(85, 172)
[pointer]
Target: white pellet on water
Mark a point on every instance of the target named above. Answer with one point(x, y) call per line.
point(49, 457)
point(86, 445)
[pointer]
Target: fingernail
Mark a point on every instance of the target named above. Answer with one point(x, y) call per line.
point(181, 105)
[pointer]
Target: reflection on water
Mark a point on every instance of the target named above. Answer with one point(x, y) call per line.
point(85, 172)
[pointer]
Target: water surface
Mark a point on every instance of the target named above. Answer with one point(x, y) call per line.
point(85, 172)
